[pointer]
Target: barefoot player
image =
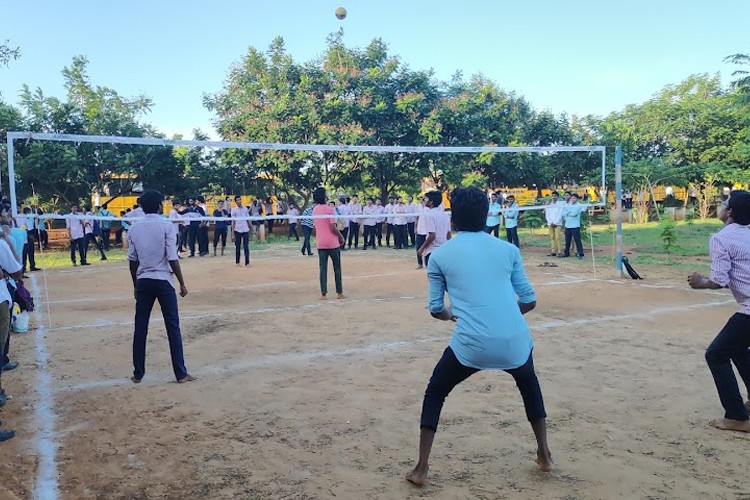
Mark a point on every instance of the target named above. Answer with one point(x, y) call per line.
point(483, 276)
point(730, 268)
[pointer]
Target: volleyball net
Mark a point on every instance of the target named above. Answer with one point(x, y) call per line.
point(79, 140)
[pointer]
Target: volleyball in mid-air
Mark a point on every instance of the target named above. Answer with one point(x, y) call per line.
point(340, 13)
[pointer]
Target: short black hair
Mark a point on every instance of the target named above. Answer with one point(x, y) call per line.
point(201, 199)
point(574, 194)
point(238, 197)
point(555, 192)
point(739, 203)
point(150, 201)
point(436, 197)
point(319, 195)
point(27, 210)
point(469, 207)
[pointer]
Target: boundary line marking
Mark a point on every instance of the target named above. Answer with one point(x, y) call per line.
point(244, 364)
point(46, 487)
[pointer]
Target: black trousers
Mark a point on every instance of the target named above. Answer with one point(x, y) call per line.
point(412, 236)
point(306, 232)
point(243, 240)
point(192, 237)
point(335, 255)
point(345, 233)
point(43, 239)
point(511, 233)
point(369, 236)
point(388, 233)
point(182, 239)
point(420, 241)
point(148, 291)
point(493, 229)
point(293, 230)
point(220, 234)
point(89, 238)
point(379, 233)
point(203, 240)
point(573, 233)
point(731, 345)
point(353, 233)
point(399, 236)
point(449, 372)
point(77, 244)
point(29, 250)
point(105, 238)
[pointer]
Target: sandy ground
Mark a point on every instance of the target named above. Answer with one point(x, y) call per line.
point(299, 398)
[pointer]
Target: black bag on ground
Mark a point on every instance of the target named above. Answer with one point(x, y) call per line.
point(630, 269)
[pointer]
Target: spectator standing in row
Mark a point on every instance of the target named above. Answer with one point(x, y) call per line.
point(344, 208)
point(411, 208)
point(307, 224)
point(293, 217)
point(76, 235)
point(354, 209)
point(379, 220)
point(221, 227)
point(511, 221)
point(571, 214)
point(106, 224)
point(553, 216)
point(369, 224)
point(241, 231)
point(493, 217)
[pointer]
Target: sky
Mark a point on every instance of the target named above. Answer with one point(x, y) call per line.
point(578, 56)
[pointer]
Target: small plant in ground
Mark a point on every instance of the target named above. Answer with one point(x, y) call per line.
point(690, 216)
point(533, 219)
point(668, 235)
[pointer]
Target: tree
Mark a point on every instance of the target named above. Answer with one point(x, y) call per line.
point(8, 53)
point(67, 173)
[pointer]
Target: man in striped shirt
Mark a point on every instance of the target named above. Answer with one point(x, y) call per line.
point(307, 225)
point(730, 268)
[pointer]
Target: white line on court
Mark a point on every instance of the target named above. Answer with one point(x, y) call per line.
point(46, 487)
point(265, 361)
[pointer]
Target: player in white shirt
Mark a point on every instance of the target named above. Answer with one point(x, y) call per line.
point(438, 226)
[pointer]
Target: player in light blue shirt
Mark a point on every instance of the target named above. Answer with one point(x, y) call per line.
point(489, 293)
point(571, 214)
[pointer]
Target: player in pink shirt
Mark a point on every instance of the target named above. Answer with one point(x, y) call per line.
point(328, 241)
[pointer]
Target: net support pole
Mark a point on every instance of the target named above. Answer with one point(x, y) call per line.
point(618, 209)
point(12, 177)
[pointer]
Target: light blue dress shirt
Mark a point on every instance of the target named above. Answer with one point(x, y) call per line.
point(493, 219)
point(572, 215)
point(511, 216)
point(485, 279)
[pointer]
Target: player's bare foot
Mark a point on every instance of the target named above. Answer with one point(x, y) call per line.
point(135, 380)
point(322, 297)
point(747, 406)
point(544, 461)
point(187, 378)
point(418, 477)
point(340, 296)
point(726, 424)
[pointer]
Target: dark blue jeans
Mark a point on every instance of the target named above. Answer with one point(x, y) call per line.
point(449, 372)
point(146, 292)
point(574, 234)
point(731, 345)
point(306, 232)
point(242, 240)
point(77, 244)
point(511, 233)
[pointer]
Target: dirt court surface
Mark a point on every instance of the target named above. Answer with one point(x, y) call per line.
point(303, 399)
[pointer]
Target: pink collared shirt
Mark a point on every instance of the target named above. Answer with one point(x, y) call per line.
point(152, 244)
point(730, 262)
